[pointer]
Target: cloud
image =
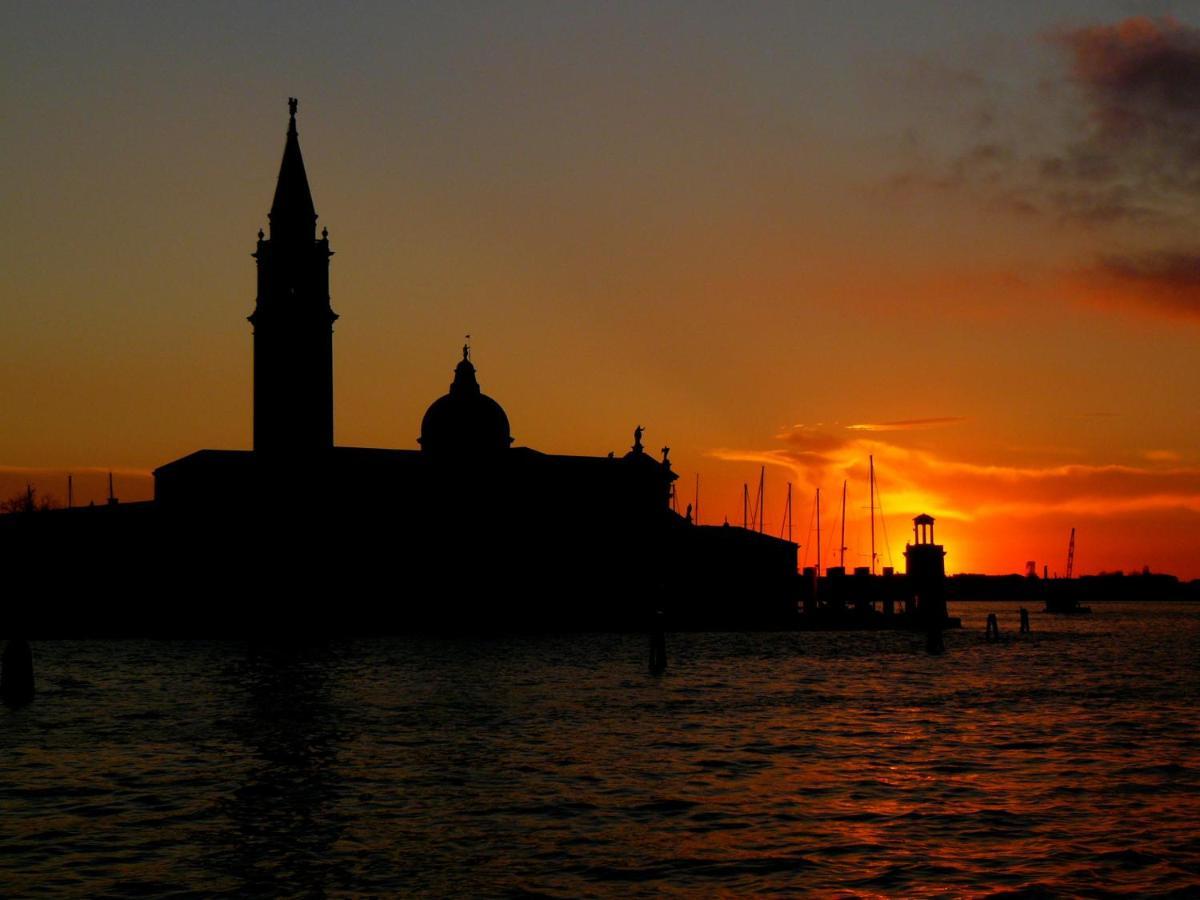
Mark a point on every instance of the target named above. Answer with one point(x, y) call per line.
point(1139, 84)
point(1106, 142)
point(1168, 281)
point(811, 443)
point(1162, 456)
point(1110, 135)
point(918, 480)
point(992, 517)
point(907, 424)
point(1142, 76)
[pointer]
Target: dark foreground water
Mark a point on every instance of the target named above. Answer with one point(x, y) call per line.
point(1063, 762)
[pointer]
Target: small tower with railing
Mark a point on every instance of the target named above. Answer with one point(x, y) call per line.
point(925, 565)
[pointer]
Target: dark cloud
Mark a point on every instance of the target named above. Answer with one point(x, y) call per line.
point(1139, 83)
point(1140, 76)
point(1106, 142)
point(1111, 137)
point(1167, 280)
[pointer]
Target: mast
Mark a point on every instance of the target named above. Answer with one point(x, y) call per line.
point(842, 548)
point(762, 505)
point(1071, 555)
point(789, 511)
point(818, 531)
point(745, 505)
point(872, 461)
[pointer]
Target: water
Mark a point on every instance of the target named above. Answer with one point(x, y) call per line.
point(1062, 762)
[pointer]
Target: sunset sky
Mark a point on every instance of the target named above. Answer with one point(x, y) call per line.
point(963, 237)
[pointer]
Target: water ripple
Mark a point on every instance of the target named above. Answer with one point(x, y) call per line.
point(1061, 763)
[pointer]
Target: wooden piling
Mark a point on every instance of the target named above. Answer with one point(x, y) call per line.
point(658, 646)
point(16, 673)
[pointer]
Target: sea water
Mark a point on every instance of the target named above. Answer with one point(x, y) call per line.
point(1059, 762)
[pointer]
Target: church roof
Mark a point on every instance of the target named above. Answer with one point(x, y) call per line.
point(465, 420)
point(207, 458)
point(292, 211)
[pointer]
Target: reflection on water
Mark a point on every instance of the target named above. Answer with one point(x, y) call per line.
point(1061, 761)
point(283, 810)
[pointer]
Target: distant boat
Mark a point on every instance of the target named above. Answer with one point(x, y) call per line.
point(1066, 606)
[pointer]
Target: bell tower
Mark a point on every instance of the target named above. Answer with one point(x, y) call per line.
point(292, 319)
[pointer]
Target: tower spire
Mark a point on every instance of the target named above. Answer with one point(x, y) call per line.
point(292, 215)
point(292, 320)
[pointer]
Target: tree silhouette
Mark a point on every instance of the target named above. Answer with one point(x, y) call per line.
point(27, 501)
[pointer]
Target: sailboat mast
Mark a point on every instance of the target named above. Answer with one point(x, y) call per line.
point(762, 498)
point(818, 532)
point(872, 461)
point(842, 548)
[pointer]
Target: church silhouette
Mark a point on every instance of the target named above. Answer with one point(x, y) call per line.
point(467, 531)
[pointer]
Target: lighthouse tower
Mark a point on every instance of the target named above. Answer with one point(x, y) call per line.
point(925, 565)
point(292, 320)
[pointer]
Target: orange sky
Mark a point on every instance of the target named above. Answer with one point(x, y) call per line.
point(792, 237)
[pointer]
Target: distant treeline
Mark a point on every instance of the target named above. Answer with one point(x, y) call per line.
point(1105, 586)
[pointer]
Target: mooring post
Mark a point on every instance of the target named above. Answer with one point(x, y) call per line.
point(658, 645)
point(934, 642)
point(993, 627)
point(16, 673)
point(1024, 620)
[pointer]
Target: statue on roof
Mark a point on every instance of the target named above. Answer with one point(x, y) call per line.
point(637, 439)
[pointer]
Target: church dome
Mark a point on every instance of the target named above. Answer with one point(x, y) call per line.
point(466, 420)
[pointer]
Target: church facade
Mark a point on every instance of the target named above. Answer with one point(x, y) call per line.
point(466, 523)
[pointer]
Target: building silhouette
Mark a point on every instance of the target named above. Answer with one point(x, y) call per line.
point(467, 531)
